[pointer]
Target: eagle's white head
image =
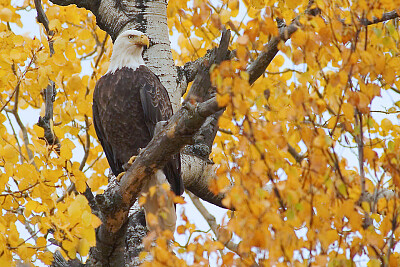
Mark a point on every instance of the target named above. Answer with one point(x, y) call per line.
point(127, 50)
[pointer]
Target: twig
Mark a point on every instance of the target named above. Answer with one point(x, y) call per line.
point(16, 88)
point(225, 131)
point(102, 50)
point(86, 148)
point(16, 138)
point(212, 222)
point(284, 71)
point(360, 146)
point(26, 139)
point(297, 156)
point(93, 162)
point(11, 96)
point(385, 16)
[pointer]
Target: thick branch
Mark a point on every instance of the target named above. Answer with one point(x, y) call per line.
point(201, 89)
point(91, 5)
point(258, 67)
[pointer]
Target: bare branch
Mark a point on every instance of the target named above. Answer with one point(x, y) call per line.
point(258, 67)
point(42, 18)
point(25, 139)
point(47, 121)
point(212, 223)
point(86, 148)
point(385, 17)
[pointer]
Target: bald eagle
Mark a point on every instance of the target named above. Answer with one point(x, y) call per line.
point(128, 101)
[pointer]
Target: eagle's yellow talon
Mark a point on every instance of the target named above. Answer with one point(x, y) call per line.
point(132, 159)
point(120, 176)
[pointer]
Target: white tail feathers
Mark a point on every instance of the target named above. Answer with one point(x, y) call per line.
point(159, 206)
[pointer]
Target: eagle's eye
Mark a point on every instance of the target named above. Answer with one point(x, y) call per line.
point(131, 36)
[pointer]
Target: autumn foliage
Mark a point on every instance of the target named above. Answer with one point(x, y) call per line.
point(308, 154)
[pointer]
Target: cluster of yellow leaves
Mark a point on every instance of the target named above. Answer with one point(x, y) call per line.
point(288, 141)
point(33, 177)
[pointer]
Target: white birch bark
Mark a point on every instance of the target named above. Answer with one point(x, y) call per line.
point(159, 57)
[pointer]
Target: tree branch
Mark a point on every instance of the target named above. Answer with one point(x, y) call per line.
point(47, 121)
point(385, 17)
point(258, 67)
point(213, 223)
point(91, 5)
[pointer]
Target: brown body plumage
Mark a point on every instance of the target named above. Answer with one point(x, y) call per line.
point(127, 104)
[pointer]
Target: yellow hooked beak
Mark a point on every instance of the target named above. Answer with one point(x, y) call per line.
point(143, 40)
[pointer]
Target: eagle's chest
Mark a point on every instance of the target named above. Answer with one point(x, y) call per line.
point(124, 122)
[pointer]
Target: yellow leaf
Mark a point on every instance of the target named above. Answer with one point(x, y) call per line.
point(258, 168)
point(59, 59)
point(41, 242)
point(279, 60)
point(225, 16)
point(292, 4)
point(179, 200)
point(74, 210)
point(46, 257)
point(366, 207)
point(83, 247)
point(374, 263)
point(80, 186)
point(258, 4)
point(243, 40)
point(299, 38)
point(223, 100)
point(55, 25)
point(66, 148)
point(348, 111)
point(96, 222)
point(86, 218)
point(386, 125)
point(181, 229)
point(5, 14)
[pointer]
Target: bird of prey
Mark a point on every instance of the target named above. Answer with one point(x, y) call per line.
point(128, 101)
